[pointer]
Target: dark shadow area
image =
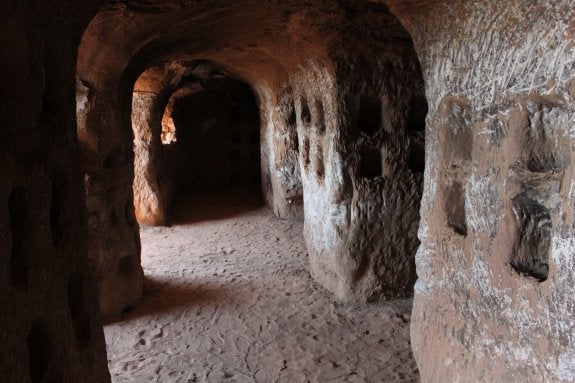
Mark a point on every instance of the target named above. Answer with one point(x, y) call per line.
point(370, 163)
point(455, 208)
point(370, 115)
point(40, 353)
point(78, 311)
point(215, 163)
point(162, 296)
point(21, 226)
point(530, 255)
point(218, 130)
point(215, 204)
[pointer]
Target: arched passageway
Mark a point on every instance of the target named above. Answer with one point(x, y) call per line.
point(495, 271)
point(219, 130)
point(328, 130)
point(341, 134)
point(226, 273)
point(213, 125)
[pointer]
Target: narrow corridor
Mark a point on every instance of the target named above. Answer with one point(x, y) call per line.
point(228, 298)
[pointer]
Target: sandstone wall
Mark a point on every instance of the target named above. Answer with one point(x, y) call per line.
point(154, 173)
point(150, 206)
point(49, 321)
point(121, 42)
point(280, 171)
point(105, 137)
point(340, 96)
point(360, 128)
point(494, 300)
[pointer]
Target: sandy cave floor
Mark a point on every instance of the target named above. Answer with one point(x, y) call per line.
point(228, 298)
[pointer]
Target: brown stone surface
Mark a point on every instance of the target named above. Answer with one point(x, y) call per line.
point(340, 94)
point(361, 138)
point(153, 183)
point(228, 297)
point(494, 299)
point(341, 110)
point(50, 328)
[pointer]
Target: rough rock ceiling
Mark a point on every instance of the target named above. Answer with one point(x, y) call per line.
point(249, 38)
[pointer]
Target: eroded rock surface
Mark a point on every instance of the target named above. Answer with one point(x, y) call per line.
point(341, 109)
point(152, 104)
point(50, 327)
point(342, 112)
point(494, 299)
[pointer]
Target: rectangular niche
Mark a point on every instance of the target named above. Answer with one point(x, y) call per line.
point(305, 112)
point(457, 138)
point(370, 163)
point(530, 254)
point(454, 204)
point(370, 115)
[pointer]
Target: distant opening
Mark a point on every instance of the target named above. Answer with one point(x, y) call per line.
point(196, 129)
point(370, 163)
point(168, 128)
point(370, 115)
point(530, 254)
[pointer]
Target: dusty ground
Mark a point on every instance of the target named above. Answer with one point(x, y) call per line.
point(228, 298)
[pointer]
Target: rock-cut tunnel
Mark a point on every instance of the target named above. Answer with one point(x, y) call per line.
point(423, 147)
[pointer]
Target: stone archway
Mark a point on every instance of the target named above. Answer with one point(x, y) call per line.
point(215, 135)
point(314, 136)
point(494, 73)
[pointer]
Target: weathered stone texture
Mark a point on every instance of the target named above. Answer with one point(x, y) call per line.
point(149, 205)
point(358, 131)
point(107, 156)
point(361, 222)
point(280, 170)
point(50, 329)
point(341, 108)
point(154, 183)
point(494, 300)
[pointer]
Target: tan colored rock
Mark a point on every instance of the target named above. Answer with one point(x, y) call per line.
point(494, 303)
point(327, 107)
point(341, 108)
point(153, 193)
